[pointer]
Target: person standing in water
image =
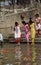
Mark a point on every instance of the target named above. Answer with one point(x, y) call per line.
point(17, 36)
point(17, 33)
point(27, 29)
point(37, 23)
point(32, 30)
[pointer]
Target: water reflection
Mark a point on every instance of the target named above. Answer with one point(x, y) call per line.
point(21, 55)
point(28, 52)
point(18, 55)
point(29, 57)
point(33, 55)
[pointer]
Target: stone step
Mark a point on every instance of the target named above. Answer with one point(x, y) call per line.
point(24, 40)
point(23, 35)
point(36, 39)
point(1, 56)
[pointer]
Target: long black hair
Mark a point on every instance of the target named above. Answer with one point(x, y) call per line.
point(37, 15)
point(16, 23)
point(23, 22)
point(30, 21)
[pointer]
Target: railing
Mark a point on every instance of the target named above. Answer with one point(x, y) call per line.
point(23, 39)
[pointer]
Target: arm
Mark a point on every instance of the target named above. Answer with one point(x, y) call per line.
point(14, 28)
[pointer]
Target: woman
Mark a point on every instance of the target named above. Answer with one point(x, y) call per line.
point(17, 33)
point(37, 23)
point(27, 29)
point(32, 30)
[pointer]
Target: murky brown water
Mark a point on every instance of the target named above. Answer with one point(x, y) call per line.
point(25, 54)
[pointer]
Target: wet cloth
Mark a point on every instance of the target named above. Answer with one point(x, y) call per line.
point(32, 26)
point(37, 22)
point(17, 32)
point(27, 32)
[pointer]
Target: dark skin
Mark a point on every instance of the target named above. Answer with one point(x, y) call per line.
point(37, 15)
point(16, 23)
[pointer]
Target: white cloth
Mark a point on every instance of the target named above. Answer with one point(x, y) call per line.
point(1, 37)
point(38, 26)
point(37, 22)
point(17, 32)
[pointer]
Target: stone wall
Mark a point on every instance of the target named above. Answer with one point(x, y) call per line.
point(6, 26)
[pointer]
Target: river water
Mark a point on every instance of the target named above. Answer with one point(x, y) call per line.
point(25, 54)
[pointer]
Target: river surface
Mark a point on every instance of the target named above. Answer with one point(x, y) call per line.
point(25, 54)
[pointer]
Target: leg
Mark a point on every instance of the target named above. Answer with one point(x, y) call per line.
point(38, 31)
point(32, 41)
point(37, 28)
point(19, 41)
point(28, 37)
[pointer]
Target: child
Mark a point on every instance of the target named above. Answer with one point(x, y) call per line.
point(26, 26)
point(37, 22)
point(32, 30)
point(17, 33)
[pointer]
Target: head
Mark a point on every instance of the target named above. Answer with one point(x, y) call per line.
point(22, 17)
point(37, 15)
point(30, 21)
point(16, 23)
point(23, 22)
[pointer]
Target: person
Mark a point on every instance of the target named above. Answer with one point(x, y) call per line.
point(37, 23)
point(32, 30)
point(1, 40)
point(27, 29)
point(22, 17)
point(17, 33)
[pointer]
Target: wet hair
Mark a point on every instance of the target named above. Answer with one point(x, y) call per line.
point(30, 21)
point(23, 22)
point(16, 23)
point(37, 15)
